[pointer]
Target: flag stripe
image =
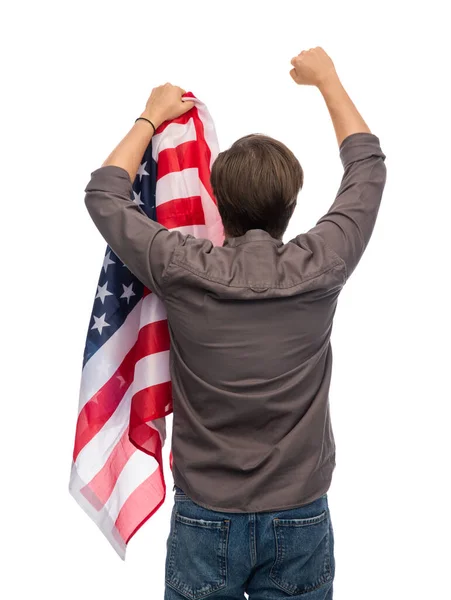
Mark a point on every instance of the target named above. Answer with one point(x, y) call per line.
point(102, 484)
point(140, 505)
point(138, 468)
point(183, 211)
point(115, 349)
point(180, 184)
point(152, 339)
point(184, 156)
point(172, 134)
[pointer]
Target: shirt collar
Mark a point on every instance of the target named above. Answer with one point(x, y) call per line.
point(252, 235)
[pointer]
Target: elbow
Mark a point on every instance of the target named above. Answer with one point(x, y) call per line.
point(91, 203)
point(88, 202)
point(380, 173)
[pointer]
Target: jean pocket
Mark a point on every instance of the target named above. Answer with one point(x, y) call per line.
point(303, 559)
point(197, 558)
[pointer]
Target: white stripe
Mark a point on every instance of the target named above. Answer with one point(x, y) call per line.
point(94, 455)
point(115, 349)
point(213, 221)
point(100, 517)
point(138, 468)
point(151, 370)
point(177, 184)
point(172, 136)
point(210, 134)
point(153, 309)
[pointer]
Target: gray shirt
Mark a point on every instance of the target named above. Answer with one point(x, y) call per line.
point(250, 324)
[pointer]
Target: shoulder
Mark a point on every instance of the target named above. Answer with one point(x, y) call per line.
point(314, 243)
point(316, 256)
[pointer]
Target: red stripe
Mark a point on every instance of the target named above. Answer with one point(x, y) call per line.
point(183, 156)
point(182, 120)
point(181, 211)
point(199, 147)
point(99, 489)
point(141, 504)
point(152, 338)
point(148, 404)
point(151, 403)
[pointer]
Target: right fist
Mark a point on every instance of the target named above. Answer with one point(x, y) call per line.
point(311, 67)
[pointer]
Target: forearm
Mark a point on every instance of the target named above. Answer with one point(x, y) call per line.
point(129, 152)
point(345, 117)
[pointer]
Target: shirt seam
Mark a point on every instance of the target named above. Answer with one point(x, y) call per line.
point(165, 272)
point(334, 253)
point(188, 267)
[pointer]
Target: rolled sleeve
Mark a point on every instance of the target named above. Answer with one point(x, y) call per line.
point(144, 246)
point(359, 146)
point(348, 225)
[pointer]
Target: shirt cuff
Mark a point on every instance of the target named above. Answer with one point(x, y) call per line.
point(359, 146)
point(110, 178)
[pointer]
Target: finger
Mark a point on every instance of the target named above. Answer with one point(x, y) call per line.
point(187, 105)
point(293, 73)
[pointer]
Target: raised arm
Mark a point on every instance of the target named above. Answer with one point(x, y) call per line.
point(145, 246)
point(348, 225)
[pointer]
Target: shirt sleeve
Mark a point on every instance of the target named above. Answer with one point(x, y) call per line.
point(143, 245)
point(348, 225)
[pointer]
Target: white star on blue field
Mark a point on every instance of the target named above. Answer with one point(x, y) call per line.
point(118, 290)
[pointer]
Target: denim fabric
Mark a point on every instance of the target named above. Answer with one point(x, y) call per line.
point(269, 555)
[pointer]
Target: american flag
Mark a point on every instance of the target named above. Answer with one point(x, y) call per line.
point(125, 394)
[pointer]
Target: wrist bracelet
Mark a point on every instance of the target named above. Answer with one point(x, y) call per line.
point(148, 120)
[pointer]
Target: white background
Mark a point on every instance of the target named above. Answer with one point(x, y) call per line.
point(75, 76)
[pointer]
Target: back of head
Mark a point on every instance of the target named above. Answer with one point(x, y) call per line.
point(256, 183)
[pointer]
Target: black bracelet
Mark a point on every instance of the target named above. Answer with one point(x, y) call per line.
point(144, 119)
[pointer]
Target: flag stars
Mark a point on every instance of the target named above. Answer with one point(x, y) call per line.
point(102, 292)
point(107, 261)
point(137, 198)
point(128, 293)
point(142, 170)
point(100, 323)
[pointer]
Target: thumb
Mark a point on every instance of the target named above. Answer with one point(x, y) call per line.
point(187, 105)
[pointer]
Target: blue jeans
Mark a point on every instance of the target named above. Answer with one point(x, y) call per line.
point(269, 555)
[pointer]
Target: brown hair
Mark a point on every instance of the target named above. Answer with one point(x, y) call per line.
point(256, 183)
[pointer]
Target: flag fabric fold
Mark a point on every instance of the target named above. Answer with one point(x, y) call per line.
point(117, 474)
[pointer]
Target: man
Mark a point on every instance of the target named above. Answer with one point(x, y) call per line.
point(251, 359)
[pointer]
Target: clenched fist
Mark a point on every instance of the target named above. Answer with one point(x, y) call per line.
point(165, 103)
point(312, 67)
